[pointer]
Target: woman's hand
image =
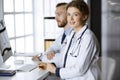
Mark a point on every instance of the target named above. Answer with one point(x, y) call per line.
point(47, 66)
point(42, 65)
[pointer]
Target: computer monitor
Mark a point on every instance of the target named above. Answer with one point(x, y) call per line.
point(5, 47)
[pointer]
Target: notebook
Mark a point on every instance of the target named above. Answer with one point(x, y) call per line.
point(7, 72)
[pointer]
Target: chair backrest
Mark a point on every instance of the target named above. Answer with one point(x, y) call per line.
point(107, 67)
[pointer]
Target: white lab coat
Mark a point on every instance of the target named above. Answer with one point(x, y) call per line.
point(82, 67)
point(58, 48)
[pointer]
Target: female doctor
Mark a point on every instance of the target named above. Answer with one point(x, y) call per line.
point(82, 50)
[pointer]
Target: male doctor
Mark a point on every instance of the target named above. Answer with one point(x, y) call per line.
point(55, 49)
point(54, 52)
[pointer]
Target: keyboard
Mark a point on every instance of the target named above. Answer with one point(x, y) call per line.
point(27, 67)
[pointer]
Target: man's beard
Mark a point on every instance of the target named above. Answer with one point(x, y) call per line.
point(62, 25)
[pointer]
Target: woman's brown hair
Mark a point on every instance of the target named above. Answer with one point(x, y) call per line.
point(81, 6)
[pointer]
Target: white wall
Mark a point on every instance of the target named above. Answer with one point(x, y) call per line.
point(38, 26)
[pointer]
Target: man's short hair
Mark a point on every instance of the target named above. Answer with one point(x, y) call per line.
point(61, 4)
point(78, 0)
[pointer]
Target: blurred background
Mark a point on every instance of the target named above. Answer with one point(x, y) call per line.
point(31, 27)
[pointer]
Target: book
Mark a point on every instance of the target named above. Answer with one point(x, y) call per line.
point(7, 72)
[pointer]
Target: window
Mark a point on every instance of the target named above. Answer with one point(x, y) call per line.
point(18, 15)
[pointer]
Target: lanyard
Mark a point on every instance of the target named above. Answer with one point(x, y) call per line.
point(70, 45)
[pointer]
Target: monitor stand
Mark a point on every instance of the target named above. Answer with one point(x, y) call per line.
point(4, 66)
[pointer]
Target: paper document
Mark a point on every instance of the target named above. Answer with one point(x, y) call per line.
point(26, 54)
point(4, 66)
point(27, 67)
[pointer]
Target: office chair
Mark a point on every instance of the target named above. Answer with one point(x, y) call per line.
point(107, 67)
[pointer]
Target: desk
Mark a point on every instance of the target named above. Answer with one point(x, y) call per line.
point(35, 74)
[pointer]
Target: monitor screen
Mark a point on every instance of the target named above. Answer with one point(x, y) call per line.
point(5, 48)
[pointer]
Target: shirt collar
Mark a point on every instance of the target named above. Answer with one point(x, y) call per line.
point(68, 31)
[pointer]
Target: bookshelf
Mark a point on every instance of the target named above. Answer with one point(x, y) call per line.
point(51, 30)
point(48, 43)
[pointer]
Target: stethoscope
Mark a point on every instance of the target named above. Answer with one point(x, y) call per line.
point(76, 49)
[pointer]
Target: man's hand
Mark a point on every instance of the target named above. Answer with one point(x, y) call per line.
point(47, 66)
point(35, 58)
point(50, 55)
